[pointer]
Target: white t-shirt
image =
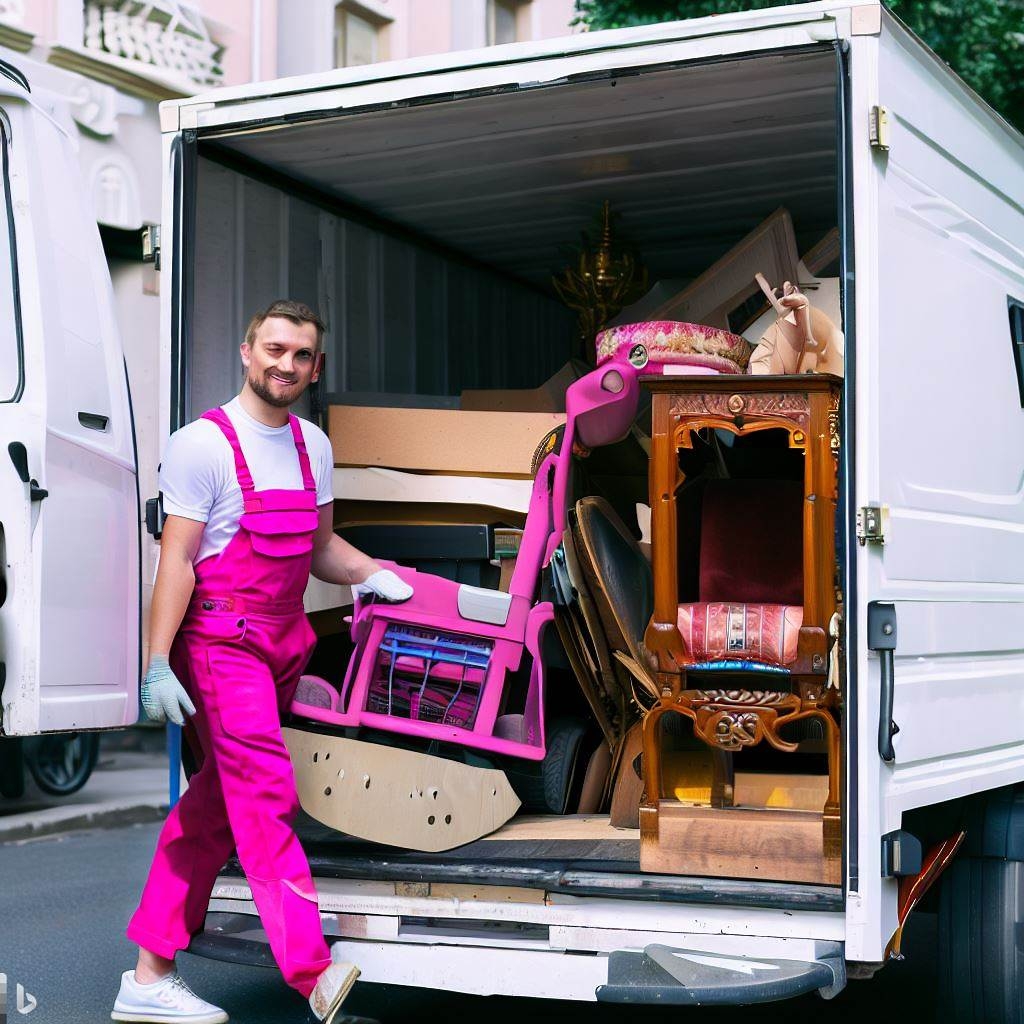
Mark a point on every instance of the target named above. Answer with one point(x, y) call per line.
point(198, 478)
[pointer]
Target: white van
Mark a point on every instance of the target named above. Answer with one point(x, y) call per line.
point(421, 206)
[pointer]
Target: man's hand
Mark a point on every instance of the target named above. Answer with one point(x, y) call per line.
point(386, 585)
point(163, 697)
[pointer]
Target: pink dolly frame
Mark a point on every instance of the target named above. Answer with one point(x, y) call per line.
point(600, 407)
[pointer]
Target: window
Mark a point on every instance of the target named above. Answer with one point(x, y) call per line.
point(501, 21)
point(12, 364)
point(1017, 337)
point(358, 38)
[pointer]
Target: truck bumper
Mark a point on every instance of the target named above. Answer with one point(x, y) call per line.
point(658, 974)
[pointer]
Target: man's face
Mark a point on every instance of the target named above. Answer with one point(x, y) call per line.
point(282, 360)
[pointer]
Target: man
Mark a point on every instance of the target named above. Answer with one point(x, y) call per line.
point(247, 492)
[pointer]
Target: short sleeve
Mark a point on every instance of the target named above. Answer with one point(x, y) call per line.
point(191, 473)
point(322, 463)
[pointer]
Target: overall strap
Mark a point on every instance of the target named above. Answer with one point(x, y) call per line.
point(220, 417)
point(308, 481)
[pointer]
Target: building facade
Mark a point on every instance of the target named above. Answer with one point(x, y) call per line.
point(113, 61)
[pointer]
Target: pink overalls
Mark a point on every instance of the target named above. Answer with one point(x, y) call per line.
point(242, 644)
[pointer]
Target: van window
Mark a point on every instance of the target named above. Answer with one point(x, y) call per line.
point(1017, 337)
point(12, 364)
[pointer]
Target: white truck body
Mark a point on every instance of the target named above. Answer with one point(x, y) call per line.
point(932, 233)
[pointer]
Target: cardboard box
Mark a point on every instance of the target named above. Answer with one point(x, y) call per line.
point(439, 440)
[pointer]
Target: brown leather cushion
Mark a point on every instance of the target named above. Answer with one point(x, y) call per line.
point(618, 574)
point(751, 545)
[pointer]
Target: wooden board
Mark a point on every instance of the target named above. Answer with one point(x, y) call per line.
point(363, 513)
point(394, 796)
point(527, 827)
point(380, 487)
point(628, 786)
point(439, 440)
point(735, 842)
point(778, 789)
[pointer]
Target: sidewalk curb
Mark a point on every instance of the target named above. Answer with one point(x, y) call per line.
point(57, 821)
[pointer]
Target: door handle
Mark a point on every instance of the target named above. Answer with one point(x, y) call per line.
point(93, 420)
point(19, 456)
point(882, 638)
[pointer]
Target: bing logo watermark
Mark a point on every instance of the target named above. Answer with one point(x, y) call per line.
point(24, 1002)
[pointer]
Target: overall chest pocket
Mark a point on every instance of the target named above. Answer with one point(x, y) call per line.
point(280, 533)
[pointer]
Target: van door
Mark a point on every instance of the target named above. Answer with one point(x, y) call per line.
point(69, 506)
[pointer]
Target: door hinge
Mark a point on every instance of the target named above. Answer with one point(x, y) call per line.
point(878, 129)
point(151, 244)
point(871, 521)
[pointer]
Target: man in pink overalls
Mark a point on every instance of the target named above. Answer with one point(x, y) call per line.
point(247, 491)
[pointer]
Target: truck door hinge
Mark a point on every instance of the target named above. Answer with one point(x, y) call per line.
point(151, 244)
point(871, 520)
point(878, 129)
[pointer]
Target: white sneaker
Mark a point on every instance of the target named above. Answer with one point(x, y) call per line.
point(331, 988)
point(167, 1001)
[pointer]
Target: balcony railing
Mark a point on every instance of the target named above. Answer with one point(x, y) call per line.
point(165, 34)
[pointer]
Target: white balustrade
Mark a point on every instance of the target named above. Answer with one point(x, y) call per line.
point(166, 34)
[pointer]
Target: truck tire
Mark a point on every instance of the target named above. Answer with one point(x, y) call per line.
point(981, 961)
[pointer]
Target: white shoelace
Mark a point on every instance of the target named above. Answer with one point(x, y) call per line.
point(181, 995)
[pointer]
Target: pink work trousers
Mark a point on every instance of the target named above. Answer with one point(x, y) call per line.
point(239, 652)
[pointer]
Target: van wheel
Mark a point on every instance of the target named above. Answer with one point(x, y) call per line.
point(61, 764)
point(980, 962)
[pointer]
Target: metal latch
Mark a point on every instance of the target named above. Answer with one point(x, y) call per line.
point(901, 854)
point(151, 244)
point(871, 524)
point(155, 517)
point(878, 129)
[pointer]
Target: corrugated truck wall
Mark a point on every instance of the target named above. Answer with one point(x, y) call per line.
point(402, 318)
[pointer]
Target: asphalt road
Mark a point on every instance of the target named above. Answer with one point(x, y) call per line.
point(65, 900)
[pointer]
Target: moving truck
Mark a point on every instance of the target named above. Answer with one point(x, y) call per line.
point(422, 205)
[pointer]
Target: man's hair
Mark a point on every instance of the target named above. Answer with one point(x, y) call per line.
point(297, 312)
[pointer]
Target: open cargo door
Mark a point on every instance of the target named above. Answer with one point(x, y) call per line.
point(940, 432)
point(69, 508)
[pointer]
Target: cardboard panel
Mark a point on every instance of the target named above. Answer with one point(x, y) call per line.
point(439, 440)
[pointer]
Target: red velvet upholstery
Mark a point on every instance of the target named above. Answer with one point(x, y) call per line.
point(751, 545)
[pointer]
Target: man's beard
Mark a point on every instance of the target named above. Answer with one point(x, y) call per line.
point(262, 390)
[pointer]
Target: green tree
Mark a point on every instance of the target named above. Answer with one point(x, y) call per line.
point(982, 40)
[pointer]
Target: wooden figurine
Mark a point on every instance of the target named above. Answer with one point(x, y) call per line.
point(802, 340)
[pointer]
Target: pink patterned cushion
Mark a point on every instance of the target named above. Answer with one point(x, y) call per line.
point(660, 343)
point(765, 633)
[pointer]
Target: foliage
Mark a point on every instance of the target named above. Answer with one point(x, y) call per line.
point(982, 40)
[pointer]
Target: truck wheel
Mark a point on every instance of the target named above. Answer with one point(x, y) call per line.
point(981, 962)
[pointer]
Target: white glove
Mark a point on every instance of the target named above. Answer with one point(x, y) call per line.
point(163, 697)
point(385, 584)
